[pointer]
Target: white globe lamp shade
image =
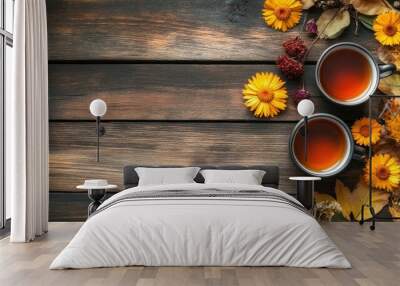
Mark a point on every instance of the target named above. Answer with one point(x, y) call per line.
point(305, 107)
point(98, 107)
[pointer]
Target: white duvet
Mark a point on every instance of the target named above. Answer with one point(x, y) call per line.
point(200, 231)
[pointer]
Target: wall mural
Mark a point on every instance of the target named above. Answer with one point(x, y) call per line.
point(346, 202)
point(344, 74)
point(222, 78)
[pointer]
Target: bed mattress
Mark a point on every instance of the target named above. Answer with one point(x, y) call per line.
point(201, 225)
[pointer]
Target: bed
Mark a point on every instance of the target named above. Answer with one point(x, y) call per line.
point(197, 224)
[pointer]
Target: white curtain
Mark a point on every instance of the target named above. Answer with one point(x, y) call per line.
point(27, 123)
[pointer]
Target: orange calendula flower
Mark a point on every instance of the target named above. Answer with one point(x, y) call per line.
point(360, 131)
point(385, 172)
point(393, 127)
point(387, 28)
point(282, 14)
point(265, 94)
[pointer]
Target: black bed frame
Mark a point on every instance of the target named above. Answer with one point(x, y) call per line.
point(271, 177)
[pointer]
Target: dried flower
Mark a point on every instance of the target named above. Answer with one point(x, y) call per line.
point(391, 108)
point(311, 27)
point(325, 210)
point(295, 48)
point(301, 94)
point(290, 67)
point(393, 127)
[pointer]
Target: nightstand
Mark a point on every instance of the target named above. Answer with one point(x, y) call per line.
point(305, 190)
point(97, 190)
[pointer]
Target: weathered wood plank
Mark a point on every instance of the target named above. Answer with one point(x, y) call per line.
point(73, 148)
point(168, 92)
point(170, 30)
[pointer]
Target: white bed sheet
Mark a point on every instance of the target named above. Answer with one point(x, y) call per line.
point(200, 232)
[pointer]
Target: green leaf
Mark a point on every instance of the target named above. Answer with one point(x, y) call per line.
point(366, 21)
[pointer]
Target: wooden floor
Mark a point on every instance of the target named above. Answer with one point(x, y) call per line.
point(375, 257)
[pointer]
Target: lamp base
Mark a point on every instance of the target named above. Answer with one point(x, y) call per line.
point(96, 196)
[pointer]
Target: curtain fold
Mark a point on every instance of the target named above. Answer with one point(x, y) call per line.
point(27, 120)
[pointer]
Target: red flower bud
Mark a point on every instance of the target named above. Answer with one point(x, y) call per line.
point(295, 48)
point(290, 67)
point(301, 94)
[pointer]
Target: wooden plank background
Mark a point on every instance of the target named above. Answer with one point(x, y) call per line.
point(223, 30)
point(168, 92)
point(168, 143)
point(171, 73)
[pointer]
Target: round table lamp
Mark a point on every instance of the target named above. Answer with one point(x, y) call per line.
point(98, 108)
point(305, 108)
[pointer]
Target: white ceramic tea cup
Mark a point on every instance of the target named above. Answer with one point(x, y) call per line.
point(340, 165)
point(377, 72)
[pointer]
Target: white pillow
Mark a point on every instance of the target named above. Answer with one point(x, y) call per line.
point(248, 177)
point(166, 176)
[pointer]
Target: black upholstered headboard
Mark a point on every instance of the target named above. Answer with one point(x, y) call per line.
point(271, 177)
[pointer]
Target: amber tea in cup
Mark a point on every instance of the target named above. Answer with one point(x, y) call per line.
point(345, 74)
point(327, 145)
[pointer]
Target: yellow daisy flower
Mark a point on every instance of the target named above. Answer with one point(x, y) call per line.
point(393, 127)
point(265, 94)
point(360, 131)
point(387, 28)
point(282, 14)
point(385, 172)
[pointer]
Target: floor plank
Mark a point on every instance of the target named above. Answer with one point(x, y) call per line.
point(375, 257)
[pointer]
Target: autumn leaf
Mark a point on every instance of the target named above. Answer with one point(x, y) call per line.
point(332, 23)
point(394, 211)
point(320, 197)
point(351, 201)
point(390, 85)
point(307, 4)
point(370, 7)
point(394, 206)
point(389, 55)
point(387, 146)
point(343, 194)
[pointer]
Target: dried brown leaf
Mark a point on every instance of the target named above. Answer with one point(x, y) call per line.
point(307, 4)
point(394, 211)
point(390, 55)
point(370, 7)
point(321, 197)
point(390, 85)
point(332, 23)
